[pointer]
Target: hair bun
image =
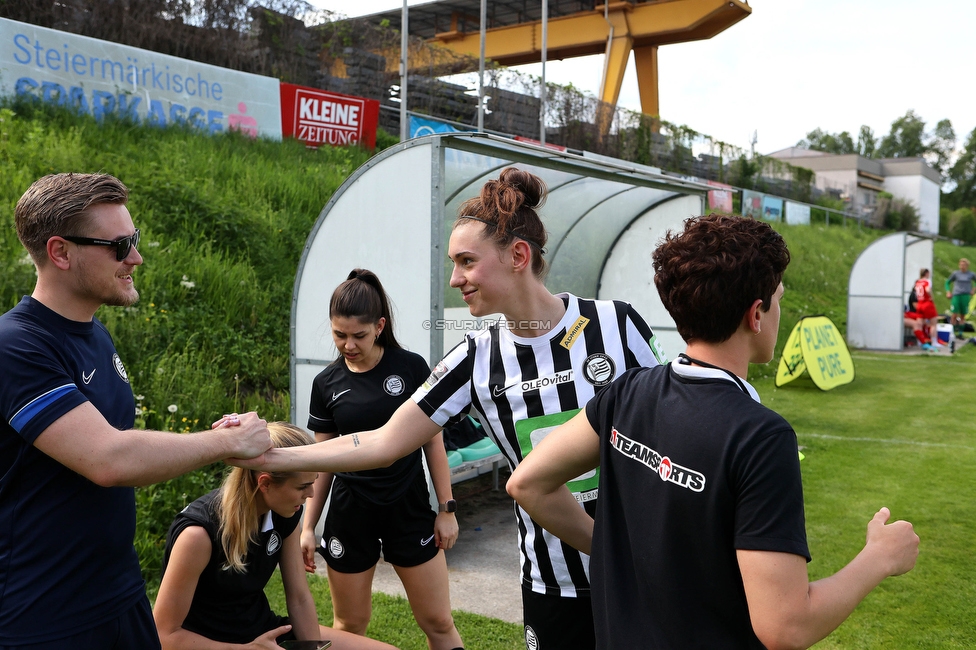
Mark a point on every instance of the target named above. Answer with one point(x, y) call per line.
point(528, 186)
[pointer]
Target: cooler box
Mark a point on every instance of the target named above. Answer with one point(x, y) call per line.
point(945, 333)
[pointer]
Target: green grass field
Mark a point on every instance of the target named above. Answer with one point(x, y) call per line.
point(224, 220)
point(902, 435)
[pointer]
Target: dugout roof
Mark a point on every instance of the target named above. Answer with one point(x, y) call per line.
point(394, 215)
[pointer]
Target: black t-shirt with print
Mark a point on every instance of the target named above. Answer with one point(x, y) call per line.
point(692, 469)
point(347, 402)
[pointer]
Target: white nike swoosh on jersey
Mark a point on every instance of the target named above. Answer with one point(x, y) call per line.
point(87, 378)
point(336, 396)
point(425, 542)
point(498, 391)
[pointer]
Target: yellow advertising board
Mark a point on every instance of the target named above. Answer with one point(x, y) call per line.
point(815, 345)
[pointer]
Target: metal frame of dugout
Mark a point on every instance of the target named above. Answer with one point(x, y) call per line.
point(881, 279)
point(394, 214)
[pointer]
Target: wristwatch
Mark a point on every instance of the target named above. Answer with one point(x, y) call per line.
point(450, 506)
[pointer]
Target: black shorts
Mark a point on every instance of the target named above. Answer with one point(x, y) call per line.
point(134, 628)
point(555, 622)
point(356, 530)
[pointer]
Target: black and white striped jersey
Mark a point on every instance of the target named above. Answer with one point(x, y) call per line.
point(524, 388)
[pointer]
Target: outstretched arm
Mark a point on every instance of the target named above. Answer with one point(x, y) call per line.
point(788, 611)
point(85, 442)
point(298, 597)
point(407, 430)
point(313, 510)
point(445, 526)
point(539, 482)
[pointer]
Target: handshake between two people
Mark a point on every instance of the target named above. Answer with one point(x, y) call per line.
point(251, 438)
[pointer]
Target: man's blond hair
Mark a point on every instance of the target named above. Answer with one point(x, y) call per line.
point(56, 205)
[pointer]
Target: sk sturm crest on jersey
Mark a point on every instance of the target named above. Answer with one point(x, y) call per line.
point(599, 369)
point(393, 385)
point(274, 542)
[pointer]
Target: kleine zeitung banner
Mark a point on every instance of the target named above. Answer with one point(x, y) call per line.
point(99, 78)
point(318, 117)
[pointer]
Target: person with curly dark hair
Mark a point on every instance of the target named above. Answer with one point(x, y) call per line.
point(700, 538)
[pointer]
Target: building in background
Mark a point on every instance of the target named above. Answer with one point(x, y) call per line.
point(860, 180)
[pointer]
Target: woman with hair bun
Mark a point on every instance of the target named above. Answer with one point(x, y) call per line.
point(222, 550)
point(387, 508)
point(525, 374)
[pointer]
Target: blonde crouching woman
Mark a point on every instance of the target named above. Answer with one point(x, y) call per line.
point(222, 550)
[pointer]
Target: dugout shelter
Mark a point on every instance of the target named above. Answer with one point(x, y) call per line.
point(881, 279)
point(394, 216)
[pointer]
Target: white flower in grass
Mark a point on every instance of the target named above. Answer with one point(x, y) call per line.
point(153, 244)
point(172, 408)
point(186, 282)
point(139, 398)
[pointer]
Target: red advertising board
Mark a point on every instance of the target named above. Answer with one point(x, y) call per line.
point(318, 117)
point(557, 147)
point(720, 200)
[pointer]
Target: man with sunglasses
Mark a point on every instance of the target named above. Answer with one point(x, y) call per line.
point(69, 575)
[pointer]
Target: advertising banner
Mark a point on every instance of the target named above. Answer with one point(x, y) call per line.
point(752, 204)
point(815, 345)
point(549, 145)
point(100, 78)
point(772, 208)
point(797, 214)
point(318, 117)
point(421, 126)
point(720, 200)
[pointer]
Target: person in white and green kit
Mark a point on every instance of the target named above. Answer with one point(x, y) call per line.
point(960, 286)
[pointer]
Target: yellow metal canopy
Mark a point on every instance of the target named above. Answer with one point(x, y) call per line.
point(576, 28)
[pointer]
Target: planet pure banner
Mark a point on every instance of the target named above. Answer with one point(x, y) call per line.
point(103, 78)
point(816, 346)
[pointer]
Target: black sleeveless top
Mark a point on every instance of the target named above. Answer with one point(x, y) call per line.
point(229, 606)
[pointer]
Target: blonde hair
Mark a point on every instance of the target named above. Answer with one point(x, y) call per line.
point(237, 510)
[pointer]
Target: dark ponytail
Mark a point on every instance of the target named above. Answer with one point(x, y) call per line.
point(507, 206)
point(362, 297)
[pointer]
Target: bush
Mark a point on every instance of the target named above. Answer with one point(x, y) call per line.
point(894, 214)
point(961, 225)
point(384, 140)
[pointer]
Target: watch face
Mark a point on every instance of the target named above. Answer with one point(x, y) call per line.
point(450, 506)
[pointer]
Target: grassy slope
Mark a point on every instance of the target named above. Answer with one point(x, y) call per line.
point(232, 215)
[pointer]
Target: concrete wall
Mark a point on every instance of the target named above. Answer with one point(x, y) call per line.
point(920, 192)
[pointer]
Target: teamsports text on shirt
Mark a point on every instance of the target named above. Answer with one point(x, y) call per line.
point(665, 468)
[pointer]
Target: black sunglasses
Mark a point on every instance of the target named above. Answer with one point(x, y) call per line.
point(123, 245)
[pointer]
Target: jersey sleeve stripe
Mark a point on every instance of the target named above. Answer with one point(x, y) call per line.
point(37, 405)
point(638, 340)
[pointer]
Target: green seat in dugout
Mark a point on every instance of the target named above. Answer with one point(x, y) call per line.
point(481, 449)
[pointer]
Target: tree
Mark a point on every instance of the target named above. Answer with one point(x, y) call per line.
point(819, 140)
point(963, 174)
point(906, 139)
point(941, 146)
point(867, 144)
